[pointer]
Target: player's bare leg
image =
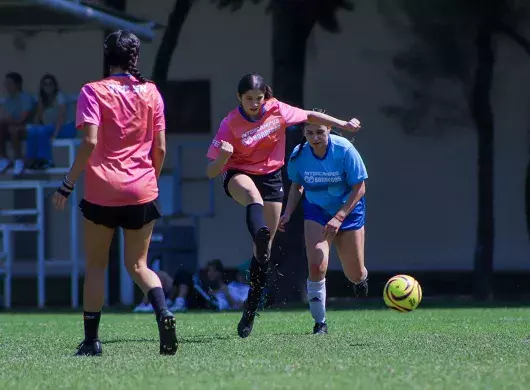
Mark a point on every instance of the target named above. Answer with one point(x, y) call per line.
point(97, 243)
point(350, 248)
point(136, 249)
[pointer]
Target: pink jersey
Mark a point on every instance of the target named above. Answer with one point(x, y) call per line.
point(259, 146)
point(120, 170)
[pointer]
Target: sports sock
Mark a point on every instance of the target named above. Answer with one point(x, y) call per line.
point(91, 323)
point(157, 299)
point(255, 220)
point(316, 295)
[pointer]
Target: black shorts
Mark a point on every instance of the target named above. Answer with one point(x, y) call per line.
point(270, 185)
point(132, 217)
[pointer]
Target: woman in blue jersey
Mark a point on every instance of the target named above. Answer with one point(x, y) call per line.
point(331, 172)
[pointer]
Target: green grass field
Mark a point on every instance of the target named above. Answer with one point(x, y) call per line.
point(366, 349)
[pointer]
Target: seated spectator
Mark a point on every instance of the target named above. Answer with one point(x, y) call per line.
point(14, 114)
point(53, 120)
point(208, 290)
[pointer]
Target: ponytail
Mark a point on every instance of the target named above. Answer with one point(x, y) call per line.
point(131, 65)
point(303, 141)
point(268, 92)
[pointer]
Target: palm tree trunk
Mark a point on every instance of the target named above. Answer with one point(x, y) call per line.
point(483, 116)
point(292, 23)
point(169, 40)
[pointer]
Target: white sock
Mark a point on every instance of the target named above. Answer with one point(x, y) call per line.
point(316, 295)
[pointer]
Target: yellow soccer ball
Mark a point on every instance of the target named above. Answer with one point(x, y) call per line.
point(402, 293)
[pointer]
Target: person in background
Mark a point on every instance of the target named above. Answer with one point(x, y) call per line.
point(208, 289)
point(53, 120)
point(14, 114)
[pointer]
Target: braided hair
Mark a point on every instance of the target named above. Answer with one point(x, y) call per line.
point(121, 49)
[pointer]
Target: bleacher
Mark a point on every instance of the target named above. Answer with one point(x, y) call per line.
point(179, 247)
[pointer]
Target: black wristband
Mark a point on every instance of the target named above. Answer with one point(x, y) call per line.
point(64, 193)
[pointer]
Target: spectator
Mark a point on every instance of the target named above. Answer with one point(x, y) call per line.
point(15, 112)
point(207, 289)
point(53, 120)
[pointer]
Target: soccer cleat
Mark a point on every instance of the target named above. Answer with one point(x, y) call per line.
point(244, 328)
point(89, 348)
point(361, 289)
point(168, 334)
point(262, 239)
point(320, 328)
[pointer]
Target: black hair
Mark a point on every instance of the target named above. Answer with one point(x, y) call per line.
point(16, 78)
point(217, 264)
point(47, 100)
point(254, 81)
point(121, 49)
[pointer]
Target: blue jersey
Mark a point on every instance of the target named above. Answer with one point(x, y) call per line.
point(328, 181)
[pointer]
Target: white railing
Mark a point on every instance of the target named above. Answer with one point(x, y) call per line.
point(8, 229)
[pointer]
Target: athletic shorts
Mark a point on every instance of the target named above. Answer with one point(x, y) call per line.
point(270, 185)
point(354, 220)
point(131, 217)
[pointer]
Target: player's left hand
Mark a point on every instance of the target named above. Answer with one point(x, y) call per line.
point(332, 228)
point(353, 125)
point(59, 201)
point(284, 220)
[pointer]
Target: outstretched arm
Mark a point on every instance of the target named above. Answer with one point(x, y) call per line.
point(318, 118)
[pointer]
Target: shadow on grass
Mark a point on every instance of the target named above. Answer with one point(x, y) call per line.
point(184, 340)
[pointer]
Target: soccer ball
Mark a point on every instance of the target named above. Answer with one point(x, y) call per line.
point(402, 293)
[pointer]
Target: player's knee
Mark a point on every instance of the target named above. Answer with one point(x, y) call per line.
point(356, 274)
point(135, 268)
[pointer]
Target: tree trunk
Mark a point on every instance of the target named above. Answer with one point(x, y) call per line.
point(169, 40)
point(292, 23)
point(527, 199)
point(483, 117)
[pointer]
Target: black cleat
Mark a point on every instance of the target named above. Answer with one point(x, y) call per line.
point(244, 328)
point(320, 328)
point(361, 289)
point(262, 239)
point(89, 348)
point(168, 334)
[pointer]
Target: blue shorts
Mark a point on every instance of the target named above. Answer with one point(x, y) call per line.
point(354, 220)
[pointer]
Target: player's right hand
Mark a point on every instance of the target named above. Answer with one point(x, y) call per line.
point(284, 220)
point(226, 149)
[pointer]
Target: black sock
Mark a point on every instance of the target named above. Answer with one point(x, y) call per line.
point(255, 220)
point(91, 322)
point(157, 299)
point(258, 280)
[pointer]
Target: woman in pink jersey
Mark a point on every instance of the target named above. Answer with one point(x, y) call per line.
point(249, 149)
point(122, 153)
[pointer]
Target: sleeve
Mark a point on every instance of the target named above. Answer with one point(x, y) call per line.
point(87, 108)
point(27, 103)
point(292, 170)
point(354, 167)
point(159, 119)
point(292, 115)
point(223, 134)
point(61, 99)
